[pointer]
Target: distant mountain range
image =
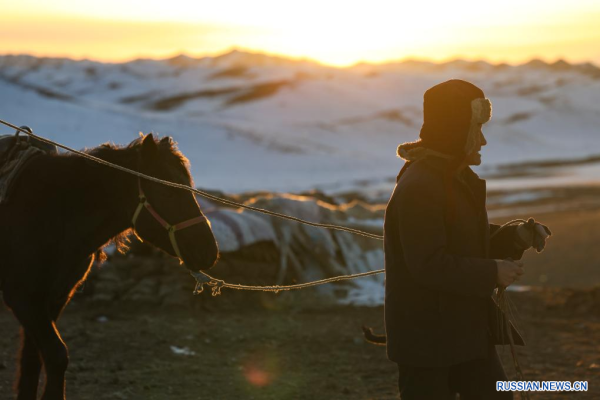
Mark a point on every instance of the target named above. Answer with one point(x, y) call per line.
point(241, 59)
point(255, 121)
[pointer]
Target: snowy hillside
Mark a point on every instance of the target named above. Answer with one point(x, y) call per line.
point(253, 122)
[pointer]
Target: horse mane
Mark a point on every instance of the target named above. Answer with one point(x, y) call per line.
point(167, 148)
point(170, 153)
point(121, 242)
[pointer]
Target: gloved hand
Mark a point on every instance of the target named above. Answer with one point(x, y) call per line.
point(532, 234)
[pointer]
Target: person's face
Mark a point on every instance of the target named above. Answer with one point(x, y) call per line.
point(475, 157)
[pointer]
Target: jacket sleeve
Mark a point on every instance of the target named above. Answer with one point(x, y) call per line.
point(422, 232)
point(503, 245)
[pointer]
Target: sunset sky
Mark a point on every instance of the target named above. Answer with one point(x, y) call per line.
point(330, 31)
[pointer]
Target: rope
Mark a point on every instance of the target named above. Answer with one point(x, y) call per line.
point(190, 189)
point(502, 300)
point(217, 284)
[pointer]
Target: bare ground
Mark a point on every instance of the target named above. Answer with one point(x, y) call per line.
point(278, 354)
point(254, 346)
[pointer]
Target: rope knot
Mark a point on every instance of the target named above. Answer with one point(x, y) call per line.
point(202, 279)
point(216, 285)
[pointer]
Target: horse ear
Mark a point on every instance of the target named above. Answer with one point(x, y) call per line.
point(167, 140)
point(149, 148)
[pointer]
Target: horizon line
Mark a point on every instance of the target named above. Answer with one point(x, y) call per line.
point(235, 49)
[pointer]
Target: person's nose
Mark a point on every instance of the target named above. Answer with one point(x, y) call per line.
point(483, 141)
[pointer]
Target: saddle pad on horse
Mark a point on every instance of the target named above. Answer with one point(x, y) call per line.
point(15, 153)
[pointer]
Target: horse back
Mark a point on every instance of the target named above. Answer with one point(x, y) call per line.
point(15, 153)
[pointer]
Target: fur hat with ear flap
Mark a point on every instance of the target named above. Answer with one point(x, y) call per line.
point(452, 113)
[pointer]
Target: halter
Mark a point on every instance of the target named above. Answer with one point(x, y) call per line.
point(170, 228)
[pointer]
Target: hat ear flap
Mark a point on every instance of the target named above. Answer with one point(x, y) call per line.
point(481, 112)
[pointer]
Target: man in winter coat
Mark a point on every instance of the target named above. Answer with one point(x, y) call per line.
point(441, 266)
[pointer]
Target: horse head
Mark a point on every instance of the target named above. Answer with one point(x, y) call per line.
point(167, 217)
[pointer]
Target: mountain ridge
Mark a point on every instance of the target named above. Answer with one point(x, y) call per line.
point(236, 57)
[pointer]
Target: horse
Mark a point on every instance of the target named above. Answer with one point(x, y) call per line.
point(64, 209)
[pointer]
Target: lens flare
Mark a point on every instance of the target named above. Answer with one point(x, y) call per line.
point(257, 376)
point(261, 368)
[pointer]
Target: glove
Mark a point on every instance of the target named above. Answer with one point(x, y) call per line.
point(532, 234)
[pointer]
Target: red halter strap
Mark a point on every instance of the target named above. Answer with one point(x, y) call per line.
point(170, 228)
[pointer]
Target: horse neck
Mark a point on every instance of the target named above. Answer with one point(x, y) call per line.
point(99, 201)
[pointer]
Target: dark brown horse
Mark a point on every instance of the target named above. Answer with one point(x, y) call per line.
point(64, 209)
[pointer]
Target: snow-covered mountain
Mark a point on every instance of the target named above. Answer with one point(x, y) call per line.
point(252, 121)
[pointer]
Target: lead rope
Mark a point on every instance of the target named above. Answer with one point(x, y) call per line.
point(203, 278)
point(513, 350)
point(502, 303)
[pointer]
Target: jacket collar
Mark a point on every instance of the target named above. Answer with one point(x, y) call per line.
point(467, 178)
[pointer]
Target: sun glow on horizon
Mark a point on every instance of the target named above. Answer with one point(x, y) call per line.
point(334, 32)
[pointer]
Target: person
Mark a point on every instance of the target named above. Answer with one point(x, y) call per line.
point(441, 265)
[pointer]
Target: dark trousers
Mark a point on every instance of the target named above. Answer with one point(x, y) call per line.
point(473, 380)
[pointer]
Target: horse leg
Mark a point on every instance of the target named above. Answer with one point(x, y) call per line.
point(42, 331)
point(40, 340)
point(60, 295)
point(30, 366)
